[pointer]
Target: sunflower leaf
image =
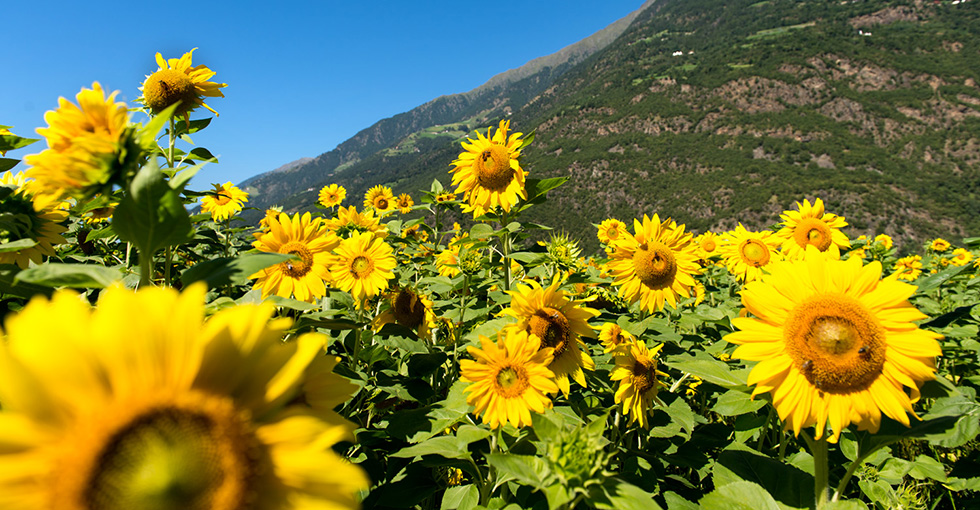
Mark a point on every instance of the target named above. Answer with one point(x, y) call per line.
point(11, 142)
point(231, 271)
point(152, 214)
point(933, 281)
point(79, 276)
point(8, 163)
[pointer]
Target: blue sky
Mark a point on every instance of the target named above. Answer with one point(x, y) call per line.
point(302, 76)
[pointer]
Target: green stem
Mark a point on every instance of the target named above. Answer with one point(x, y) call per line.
point(168, 257)
point(505, 247)
point(821, 470)
point(173, 140)
point(146, 270)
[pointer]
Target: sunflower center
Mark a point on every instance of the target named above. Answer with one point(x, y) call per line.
point(511, 381)
point(493, 169)
point(754, 252)
point(381, 203)
point(644, 374)
point(655, 265)
point(551, 326)
point(361, 267)
point(408, 309)
point(612, 233)
point(813, 231)
point(836, 343)
point(708, 245)
point(222, 198)
point(296, 268)
point(167, 86)
point(196, 454)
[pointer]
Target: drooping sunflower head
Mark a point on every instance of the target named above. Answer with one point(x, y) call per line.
point(271, 213)
point(639, 380)
point(332, 195)
point(839, 346)
point(409, 308)
point(488, 172)
point(611, 230)
point(29, 217)
point(810, 225)
point(404, 203)
point(225, 201)
point(90, 147)
point(380, 198)
point(939, 245)
point(747, 254)
point(176, 81)
point(362, 266)
point(509, 378)
point(613, 337)
point(310, 242)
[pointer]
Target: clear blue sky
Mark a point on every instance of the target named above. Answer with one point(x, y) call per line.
point(302, 76)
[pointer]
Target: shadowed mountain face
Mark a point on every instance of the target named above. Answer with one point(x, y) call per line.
point(717, 112)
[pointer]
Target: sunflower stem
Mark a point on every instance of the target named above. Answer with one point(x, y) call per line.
point(505, 246)
point(821, 470)
point(146, 270)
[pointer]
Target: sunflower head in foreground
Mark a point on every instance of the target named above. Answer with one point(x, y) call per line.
point(747, 254)
point(810, 225)
point(331, 195)
point(655, 265)
point(90, 147)
point(225, 201)
point(611, 230)
point(305, 276)
point(380, 199)
point(636, 371)
point(509, 378)
point(560, 323)
point(409, 308)
point(176, 81)
point(34, 217)
point(140, 403)
point(362, 266)
point(404, 203)
point(835, 343)
point(488, 173)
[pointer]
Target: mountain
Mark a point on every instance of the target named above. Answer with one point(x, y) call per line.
point(716, 112)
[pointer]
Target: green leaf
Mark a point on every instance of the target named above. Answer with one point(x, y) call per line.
point(20, 244)
point(449, 447)
point(195, 125)
point(528, 257)
point(463, 497)
point(8, 163)
point(201, 154)
point(892, 431)
point(467, 434)
point(706, 367)
point(78, 276)
point(619, 495)
point(675, 502)
point(147, 135)
point(925, 466)
point(846, 504)
point(538, 187)
point(152, 214)
point(231, 271)
point(481, 231)
point(11, 142)
point(933, 281)
point(526, 469)
point(734, 403)
point(787, 484)
point(9, 285)
point(739, 496)
point(557, 496)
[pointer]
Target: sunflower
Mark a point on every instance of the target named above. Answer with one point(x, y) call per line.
point(488, 173)
point(84, 146)
point(961, 257)
point(509, 378)
point(707, 244)
point(349, 222)
point(35, 217)
point(271, 213)
point(636, 371)
point(140, 403)
point(810, 225)
point(408, 308)
point(380, 198)
point(362, 266)
point(404, 203)
point(885, 240)
point(835, 343)
point(939, 245)
point(445, 197)
point(224, 201)
point(176, 80)
point(559, 322)
point(908, 268)
point(611, 230)
point(332, 195)
point(304, 277)
point(447, 261)
point(655, 265)
point(613, 338)
point(747, 253)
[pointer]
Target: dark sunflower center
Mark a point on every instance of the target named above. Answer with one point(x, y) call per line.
point(361, 267)
point(296, 268)
point(813, 231)
point(196, 457)
point(381, 203)
point(655, 265)
point(754, 252)
point(408, 309)
point(493, 169)
point(612, 233)
point(167, 86)
point(551, 326)
point(836, 343)
point(644, 374)
point(511, 381)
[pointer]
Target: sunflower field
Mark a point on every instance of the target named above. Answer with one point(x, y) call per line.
point(374, 354)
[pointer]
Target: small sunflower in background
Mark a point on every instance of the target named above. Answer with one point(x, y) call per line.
point(488, 172)
point(361, 265)
point(311, 242)
point(139, 402)
point(639, 380)
point(348, 222)
point(708, 245)
point(409, 308)
point(447, 262)
point(613, 337)
point(508, 378)
point(225, 201)
point(176, 81)
point(836, 344)
point(961, 257)
point(908, 268)
point(271, 213)
point(35, 217)
point(611, 230)
point(885, 241)
point(746, 254)
point(404, 203)
point(939, 245)
point(810, 225)
point(445, 197)
point(332, 195)
point(380, 198)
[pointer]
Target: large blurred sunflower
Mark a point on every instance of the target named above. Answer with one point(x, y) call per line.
point(84, 146)
point(835, 343)
point(225, 201)
point(636, 371)
point(655, 265)
point(747, 253)
point(488, 172)
point(509, 378)
point(176, 80)
point(27, 216)
point(139, 403)
point(362, 266)
point(811, 226)
point(311, 242)
point(560, 323)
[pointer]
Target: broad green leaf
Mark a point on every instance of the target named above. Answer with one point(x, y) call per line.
point(8, 285)
point(528, 257)
point(152, 214)
point(557, 495)
point(147, 135)
point(195, 125)
point(463, 497)
point(20, 244)
point(739, 496)
point(787, 484)
point(202, 154)
point(933, 281)
point(526, 469)
point(449, 447)
point(231, 271)
point(481, 231)
point(734, 403)
point(675, 502)
point(619, 495)
point(548, 425)
point(538, 187)
point(704, 366)
point(846, 504)
point(467, 434)
point(11, 142)
point(79, 276)
point(8, 163)
point(924, 467)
